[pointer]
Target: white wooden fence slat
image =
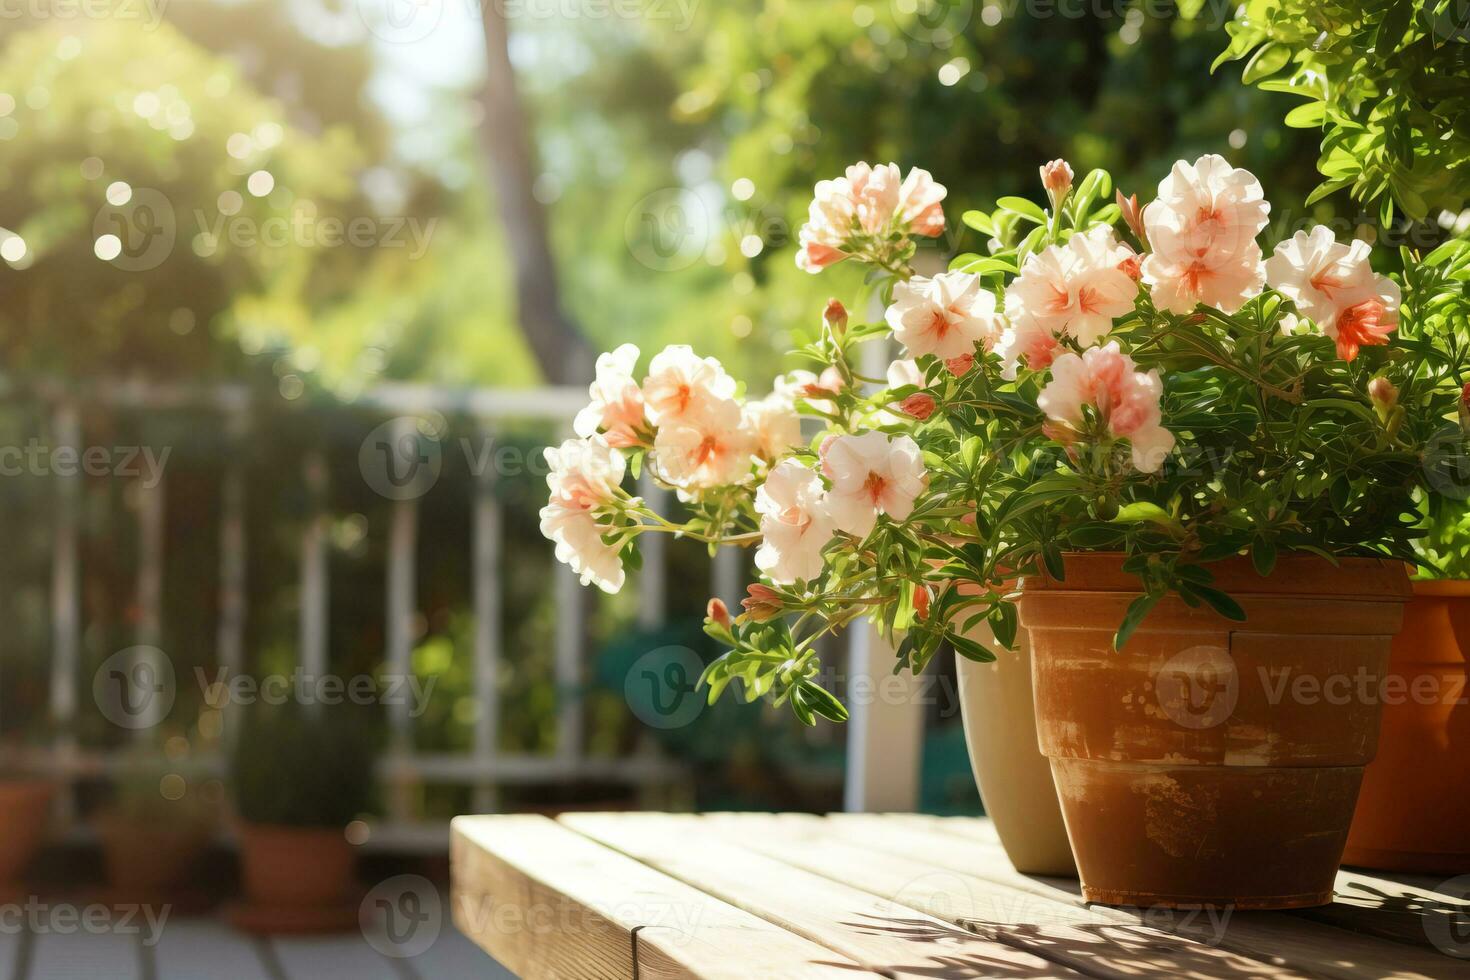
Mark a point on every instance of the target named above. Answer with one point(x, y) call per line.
point(230, 633)
point(314, 583)
point(885, 733)
point(80, 955)
point(65, 597)
point(653, 579)
point(488, 625)
point(151, 530)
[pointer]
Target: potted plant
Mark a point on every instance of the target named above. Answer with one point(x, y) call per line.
point(1415, 803)
point(1203, 463)
point(153, 833)
point(25, 802)
point(300, 775)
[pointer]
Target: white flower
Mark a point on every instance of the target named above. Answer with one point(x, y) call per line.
point(705, 448)
point(871, 474)
point(1074, 290)
point(945, 316)
point(1202, 229)
point(795, 525)
point(584, 477)
point(617, 401)
point(681, 383)
point(1324, 277)
point(772, 423)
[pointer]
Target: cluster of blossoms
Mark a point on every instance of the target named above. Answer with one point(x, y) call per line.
point(1074, 334)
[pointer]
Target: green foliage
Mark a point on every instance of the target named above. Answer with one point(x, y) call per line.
point(299, 768)
point(1386, 83)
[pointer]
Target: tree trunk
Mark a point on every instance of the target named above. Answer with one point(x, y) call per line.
point(558, 346)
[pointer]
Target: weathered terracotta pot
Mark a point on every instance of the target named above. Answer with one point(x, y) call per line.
point(295, 866)
point(1013, 776)
point(149, 858)
point(1211, 763)
point(1414, 811)
point(23, 809)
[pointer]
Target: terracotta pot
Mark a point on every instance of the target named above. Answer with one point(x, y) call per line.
point(1414, 810)
point(23, 819)
point(1211, 763)
point(298, 867)
point(146, 857)
point(1014, 777)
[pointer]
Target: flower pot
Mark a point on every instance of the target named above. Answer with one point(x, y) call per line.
point(1013, 776)
point(147, 858)
point(295, 867)
point(1210, 762)
point(1415, 805)
point(23, 809)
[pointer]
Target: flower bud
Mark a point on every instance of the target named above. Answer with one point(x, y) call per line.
point(762, 603)
point(918, 405)
point(1383, 393)
point(960, 366)
point(836, 317)
point(1132, 267)
point(718, 613)
point(1132, 216)
point(1465, 397)
point(1056, 177)
point(921, 602)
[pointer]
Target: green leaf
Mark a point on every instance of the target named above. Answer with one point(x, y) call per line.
point(1263, 556)
point(1308, 116)
point(1268, 60)
point(1141, 511)
point(1219, 601)
point(969, 649)
point(1137, 610)
point(1026, 209)
point(980, 221)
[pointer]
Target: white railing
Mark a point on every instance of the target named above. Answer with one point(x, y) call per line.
point(883, 738)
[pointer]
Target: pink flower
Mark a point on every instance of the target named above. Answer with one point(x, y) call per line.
point(1202, 229)
point(617, 401)
point(1126, 400)
point(1364, 324)
point(773, 424)
point(717, 612)
point(867, 202)
point(1026, 341)
point(1335, 286)
point(871, 474)
point(919, 405)
point(705, 448)
point(919, 204)
point(1076, 289)
point(584, 478)
point(681, 383)
point(795, 525)
point(1132, 216)
point(1056, 177)
point(945, 316)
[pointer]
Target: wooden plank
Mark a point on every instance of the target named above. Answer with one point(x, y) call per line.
point(452, 955)
point(206, 948)
point(1378, 905)
point(72, 953)
point(342, 957)
point(1286, 938)
point(547, 902)
point(883, 935)
point(1094, 940)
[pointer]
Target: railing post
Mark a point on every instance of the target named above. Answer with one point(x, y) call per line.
point(570, 622)
point(314, 581)
point(653, 579)
point(230, 635)
point(65, 601)
point(487, 547)
point(151, 531)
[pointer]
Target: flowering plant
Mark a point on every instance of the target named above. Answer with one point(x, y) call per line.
point(1104, 377)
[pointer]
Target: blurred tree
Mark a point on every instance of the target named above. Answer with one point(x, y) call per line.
point(155, 205)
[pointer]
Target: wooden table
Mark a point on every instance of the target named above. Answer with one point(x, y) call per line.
point(848, 895)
